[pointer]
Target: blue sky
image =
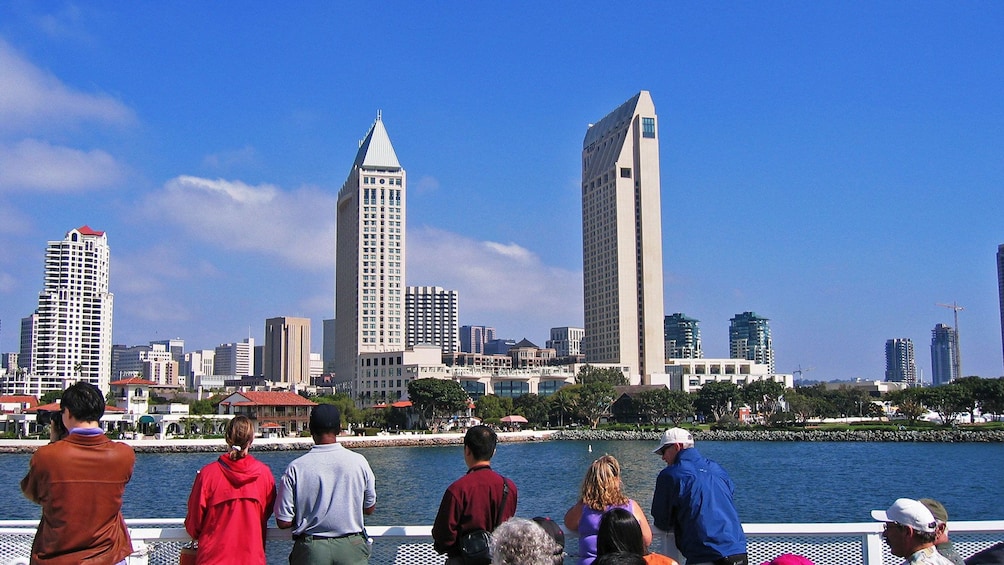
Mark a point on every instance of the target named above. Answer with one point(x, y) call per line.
point(833, 166)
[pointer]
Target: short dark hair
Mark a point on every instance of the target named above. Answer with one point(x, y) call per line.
point(620, 558)
point(619, 531)
point(481, 440)
point(325, 419)
point(84, 402)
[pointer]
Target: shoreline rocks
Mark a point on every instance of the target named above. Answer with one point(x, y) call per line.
point(954, 435)
point(941, 436)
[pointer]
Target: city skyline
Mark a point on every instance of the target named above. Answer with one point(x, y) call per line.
point(813, 159)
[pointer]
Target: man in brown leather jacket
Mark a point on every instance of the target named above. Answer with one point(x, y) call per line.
point(79, 482)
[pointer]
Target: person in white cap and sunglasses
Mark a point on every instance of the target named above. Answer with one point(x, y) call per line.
point(693, 500)
point(910, 531)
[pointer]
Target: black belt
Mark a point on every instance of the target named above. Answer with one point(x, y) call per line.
point(308, 537)
point(737, 559)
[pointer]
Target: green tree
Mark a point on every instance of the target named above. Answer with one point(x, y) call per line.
point(799, 404)
point(561, 404)
point(909, 403)
point(664, 404)
point(50, 397)
point(532, 407)
point(594, 400)
point(490, 406)
point(436, 398)
point(764, 397)
point(718, 398)
point(990, 397)
point(589, 374)
point(946, 400)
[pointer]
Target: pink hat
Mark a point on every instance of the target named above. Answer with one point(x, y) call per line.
point(788, 559)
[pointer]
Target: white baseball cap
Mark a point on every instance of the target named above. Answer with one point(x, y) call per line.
point(675, 435)
point(908, 512)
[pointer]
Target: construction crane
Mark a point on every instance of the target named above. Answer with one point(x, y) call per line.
point(957, 357)
point(800, 370)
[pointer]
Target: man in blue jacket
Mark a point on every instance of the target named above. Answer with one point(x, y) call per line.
point(693, 500)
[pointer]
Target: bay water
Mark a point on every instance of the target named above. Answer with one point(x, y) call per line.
point(775, 481)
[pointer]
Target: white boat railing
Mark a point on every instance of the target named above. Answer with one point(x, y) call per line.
point(158, 541)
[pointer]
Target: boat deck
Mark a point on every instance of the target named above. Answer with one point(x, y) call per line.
point(158, 541)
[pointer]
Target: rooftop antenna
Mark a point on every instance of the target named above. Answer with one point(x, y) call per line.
point(379, 115)
point(957, 350)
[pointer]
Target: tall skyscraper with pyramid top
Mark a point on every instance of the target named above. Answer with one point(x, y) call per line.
point(369, 261)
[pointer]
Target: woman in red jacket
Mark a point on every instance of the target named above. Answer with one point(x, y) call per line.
point(231, 501)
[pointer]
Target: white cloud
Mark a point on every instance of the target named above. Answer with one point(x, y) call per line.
point(504, 285)
point(35, 165)
point(296, 226)
point(425, 185)
point(31, 98)
point(7, 282)
point(11, 221)
point(235, 157)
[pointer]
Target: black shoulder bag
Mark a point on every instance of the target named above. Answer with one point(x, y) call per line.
point(474, 545)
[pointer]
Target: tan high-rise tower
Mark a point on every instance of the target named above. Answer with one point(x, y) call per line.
point(369, 261)
point(622, 240)
point(286, 355)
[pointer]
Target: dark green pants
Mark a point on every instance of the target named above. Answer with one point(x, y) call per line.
point(350, 550)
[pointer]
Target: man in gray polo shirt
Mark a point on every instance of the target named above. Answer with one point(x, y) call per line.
point(323, 496)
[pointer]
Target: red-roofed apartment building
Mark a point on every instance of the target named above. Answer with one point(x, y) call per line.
point(286, 412)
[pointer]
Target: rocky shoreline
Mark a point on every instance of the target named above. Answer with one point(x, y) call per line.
point(954, 435)
point(413, 440)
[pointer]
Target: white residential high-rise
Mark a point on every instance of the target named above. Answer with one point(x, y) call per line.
point(286, 357)
point(234, 359)
point(622, 240)
point(566, 341)
point(74, 330)
point(369, 260)
point(432, 317)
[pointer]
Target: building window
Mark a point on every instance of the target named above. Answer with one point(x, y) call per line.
point(648, 127)
point(625, 173)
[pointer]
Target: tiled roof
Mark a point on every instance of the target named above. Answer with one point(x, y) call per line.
point(20, 399)
point(132, 381)
point(270, 398)
point(86, 230)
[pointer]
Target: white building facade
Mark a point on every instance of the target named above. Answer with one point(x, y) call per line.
point(566, 341)
point(689, 375)
point(622, 240)
point(73, 341)
point(432, 316)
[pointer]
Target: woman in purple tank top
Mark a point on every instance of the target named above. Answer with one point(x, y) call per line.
point(601, 491)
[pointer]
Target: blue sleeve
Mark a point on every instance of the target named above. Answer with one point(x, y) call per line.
point(662, 502)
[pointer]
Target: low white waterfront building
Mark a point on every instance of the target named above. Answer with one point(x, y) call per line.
point(690, 375)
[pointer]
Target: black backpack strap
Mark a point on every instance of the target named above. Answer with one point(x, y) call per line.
point(505, 494)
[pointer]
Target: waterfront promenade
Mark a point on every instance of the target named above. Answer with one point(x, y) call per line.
point(287, 443)
point(409, 439)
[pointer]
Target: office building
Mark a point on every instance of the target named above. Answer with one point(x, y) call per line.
point(943, 348)
point(474, 338)
point(432, 317)
point(234, 359)
point(749, 338)
point(369, 255)
point(196, 365)
point(682, 336)
point(622, 240)
point(175, 346)
point(328, 345)
point(129, 361)
point(29, 339)
point(286, 356)
point(566, 341)
point(73, 340)
point(900, 366)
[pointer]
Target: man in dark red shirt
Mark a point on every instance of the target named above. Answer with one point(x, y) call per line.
point(474, 501)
